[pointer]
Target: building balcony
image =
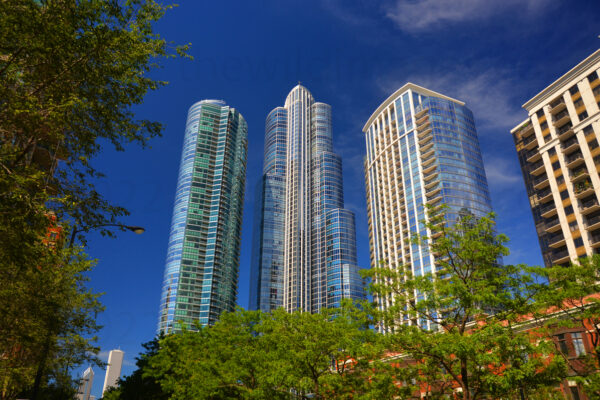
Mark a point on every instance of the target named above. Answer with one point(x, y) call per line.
point(589, 206)
point(424, 123)
point(426, 147)
point(548, 210)
point(583, 189)
point(423, 131)
point(429, 168)
point(540, 182)
point(530, 142)
point(592, 223)
point(559, 257)
point(421, 119)
point(435, 199)
point(579, 175)
point(533, 156)
point(565, 131)
point(426, 139)
point(430, 175)
point(552, 225)
point(432, 190)
point(428, 159)
point(557, 105)
point(595, 239)
point(545, 195)
point(561, 118)
point(570, 145)
point(430, 184)
point(574, 160)
point(557, 240)
point(420, 111)
point(526, 130)
point(537, 168)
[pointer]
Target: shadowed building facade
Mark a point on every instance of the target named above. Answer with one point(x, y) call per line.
point(422, 148)
point(200, 280)
point(304, 250)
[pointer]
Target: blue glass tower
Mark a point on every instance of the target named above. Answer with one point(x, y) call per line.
point(422, 148)
point(200, 280)
point(304, 250)
point(266, 274)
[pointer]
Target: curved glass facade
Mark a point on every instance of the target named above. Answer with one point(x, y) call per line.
point(202, 263)
point(422, 148)
point(293, 202)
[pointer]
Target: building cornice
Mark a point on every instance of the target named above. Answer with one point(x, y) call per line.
point(551, 91)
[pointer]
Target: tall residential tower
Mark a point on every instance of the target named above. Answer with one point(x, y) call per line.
point(559, 154)
point(304, 255)
point(201, 272)
point(422, 148)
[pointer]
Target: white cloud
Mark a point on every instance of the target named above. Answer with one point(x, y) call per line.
point(421, 15)
point(501, 172)
point(489, 94)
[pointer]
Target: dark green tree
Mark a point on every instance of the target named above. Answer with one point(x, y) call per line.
point(70, 72)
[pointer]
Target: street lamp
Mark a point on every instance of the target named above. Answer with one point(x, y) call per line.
point(135, 229)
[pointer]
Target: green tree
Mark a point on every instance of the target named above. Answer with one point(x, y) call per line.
point(70, 72)
point(572, 302)
point(47, 323)
point(460, 327)
point(254, 355)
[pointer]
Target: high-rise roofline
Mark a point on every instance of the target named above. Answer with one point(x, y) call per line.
point(403, 89)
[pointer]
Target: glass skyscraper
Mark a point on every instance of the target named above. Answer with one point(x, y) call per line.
point(304, 250)
point(201, 272)
point(422, 148)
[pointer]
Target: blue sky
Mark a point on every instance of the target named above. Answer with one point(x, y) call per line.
point(494, 55)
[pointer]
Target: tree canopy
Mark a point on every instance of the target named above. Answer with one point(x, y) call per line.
point(70, 73)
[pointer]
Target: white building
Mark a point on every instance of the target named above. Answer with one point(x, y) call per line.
point(113, 370)
point(85, 384)
point(560, 157)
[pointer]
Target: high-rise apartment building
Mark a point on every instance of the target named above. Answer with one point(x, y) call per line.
point(304, 253)
point(201, 272)
point(422, 148)
point(113, 370)
point(558, 150)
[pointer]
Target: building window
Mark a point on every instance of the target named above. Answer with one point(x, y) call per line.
point(574, 393)
point(593, 144)
point(562, 343)
point(578, 243)
point(556, 165)
point(578, 103)
point(552, 151)
point(573, 226)
point(588, 129)
point(583, 115)
point(593, 76)
point(544, 125)
point(547, 138)
point(574, 89)
point(569, 210)
point(577, 337)
point(564, 194)
point(540, 113)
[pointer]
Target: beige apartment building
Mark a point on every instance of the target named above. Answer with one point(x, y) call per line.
point(560, 157)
